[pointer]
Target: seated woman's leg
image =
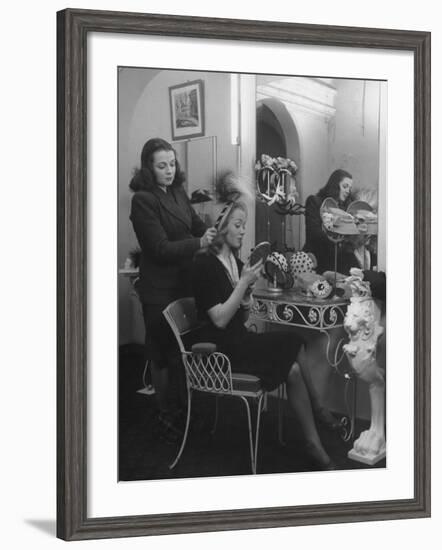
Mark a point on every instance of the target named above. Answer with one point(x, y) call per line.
point(271, 356)
point(311, 388)
point(321, 413)
point(299, 400)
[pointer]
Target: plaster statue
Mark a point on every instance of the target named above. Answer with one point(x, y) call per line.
point(362, 324)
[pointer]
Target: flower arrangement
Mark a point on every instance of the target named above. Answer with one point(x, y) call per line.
point(276, 185)
point(276, 164)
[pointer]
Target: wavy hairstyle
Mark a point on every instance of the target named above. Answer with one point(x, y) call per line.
point(331, 188)
point(144, 177)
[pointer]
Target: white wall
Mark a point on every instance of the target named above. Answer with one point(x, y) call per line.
point(28, 302)
point(145, 113)
point(354, 132)
point(131, 84)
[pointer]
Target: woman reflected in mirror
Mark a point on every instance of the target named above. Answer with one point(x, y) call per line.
point(338, 187)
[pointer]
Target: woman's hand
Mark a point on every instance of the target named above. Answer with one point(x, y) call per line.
point(331, 275)
point(208, 237)
point(250, 273)
point(221, 314)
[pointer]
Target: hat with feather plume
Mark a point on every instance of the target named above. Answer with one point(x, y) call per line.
point(230, 189)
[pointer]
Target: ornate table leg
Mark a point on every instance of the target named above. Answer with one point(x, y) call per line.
point(334, 359)
point(348, 422)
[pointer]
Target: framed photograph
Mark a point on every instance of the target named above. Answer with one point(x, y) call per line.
point(305, 109)
point(187, 110)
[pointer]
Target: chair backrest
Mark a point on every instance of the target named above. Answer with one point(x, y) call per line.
point(182, 318)
point(204, 372)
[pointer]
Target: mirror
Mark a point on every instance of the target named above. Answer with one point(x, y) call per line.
point(322, 124)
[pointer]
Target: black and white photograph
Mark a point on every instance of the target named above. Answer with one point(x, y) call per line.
point(187, 110)
point(252, 273)
point(220, 236)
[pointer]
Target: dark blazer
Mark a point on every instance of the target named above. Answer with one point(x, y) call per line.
point(349, 260)
point(317, 242)
point(168, 231)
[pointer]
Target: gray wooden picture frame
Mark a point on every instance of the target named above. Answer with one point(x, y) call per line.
point(73, 27)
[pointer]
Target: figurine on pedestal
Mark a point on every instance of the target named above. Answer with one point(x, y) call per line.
point(363, 326)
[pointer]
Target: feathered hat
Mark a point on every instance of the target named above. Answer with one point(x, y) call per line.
point(230, 189)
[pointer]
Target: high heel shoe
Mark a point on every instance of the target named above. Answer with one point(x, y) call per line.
point(319, 459)
point(325, 419)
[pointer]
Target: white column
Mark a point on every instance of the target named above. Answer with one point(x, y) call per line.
point(247, 151)
point(382, 207)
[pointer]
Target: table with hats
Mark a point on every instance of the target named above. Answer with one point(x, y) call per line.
point(341, 324)
point(320, 323)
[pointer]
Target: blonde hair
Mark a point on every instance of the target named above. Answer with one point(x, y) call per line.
point(220, 238)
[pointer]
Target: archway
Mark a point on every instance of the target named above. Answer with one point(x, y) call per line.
point(277, 136)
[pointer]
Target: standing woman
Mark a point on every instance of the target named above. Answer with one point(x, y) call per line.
point(169, 233)
point(222, 286)
point(338, 187)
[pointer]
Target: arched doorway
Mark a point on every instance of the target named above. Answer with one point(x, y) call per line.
point(270, 138)
point(276, 136)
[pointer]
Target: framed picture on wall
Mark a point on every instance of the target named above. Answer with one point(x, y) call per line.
point(337, 120)
point(187, 110)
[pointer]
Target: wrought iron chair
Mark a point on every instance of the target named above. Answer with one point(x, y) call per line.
point(209, 371)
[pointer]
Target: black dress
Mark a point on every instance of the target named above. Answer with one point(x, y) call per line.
point(266, 355)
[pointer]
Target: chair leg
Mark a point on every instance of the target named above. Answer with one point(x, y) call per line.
point(249, 419)
point(258, 420)
point(253, 445)
point(281, 389)
point(215, 422)
point(189, 406)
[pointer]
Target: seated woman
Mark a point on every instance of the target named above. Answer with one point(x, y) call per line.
point(338, 187)
point(222, 286)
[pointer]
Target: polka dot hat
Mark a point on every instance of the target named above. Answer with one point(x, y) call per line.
point(302, 262)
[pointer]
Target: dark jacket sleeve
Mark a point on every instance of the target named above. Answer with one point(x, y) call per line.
point(313, 224)
point(198, 226)
point(152, 236)
point(378, 284)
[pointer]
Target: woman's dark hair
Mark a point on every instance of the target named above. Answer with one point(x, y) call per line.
point(144, 177)
point(331, 188)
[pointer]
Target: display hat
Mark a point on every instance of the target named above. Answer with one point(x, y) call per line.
point(336, 220)
point(365, 217)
